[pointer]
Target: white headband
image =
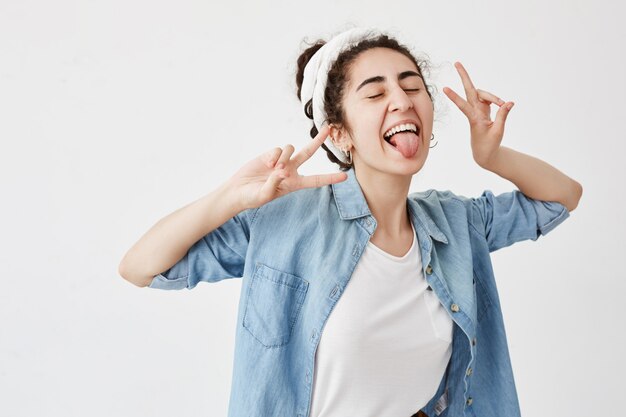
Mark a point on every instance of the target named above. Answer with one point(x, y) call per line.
point(316, 76)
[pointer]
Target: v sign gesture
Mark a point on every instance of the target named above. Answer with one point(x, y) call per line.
point(275, 173)
point(486, 134)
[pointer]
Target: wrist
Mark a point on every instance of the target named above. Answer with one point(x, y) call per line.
point(491, 162)
point(229, 193)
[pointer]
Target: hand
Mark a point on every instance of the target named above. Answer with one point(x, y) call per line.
point(275, 173)
point(486, 134)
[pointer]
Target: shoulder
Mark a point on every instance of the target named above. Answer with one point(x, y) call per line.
point(298, 202)
point(431, 199)
point(441, 206)
point(474, 210)
point(446, 209)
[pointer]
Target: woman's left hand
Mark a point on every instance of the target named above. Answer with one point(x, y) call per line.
point(486, 134)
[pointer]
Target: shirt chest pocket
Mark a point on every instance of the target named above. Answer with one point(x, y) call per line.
point(272, 306)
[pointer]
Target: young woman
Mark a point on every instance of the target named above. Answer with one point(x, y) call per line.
point(357, 297)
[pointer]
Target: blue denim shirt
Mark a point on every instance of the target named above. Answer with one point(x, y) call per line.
point(296, 255)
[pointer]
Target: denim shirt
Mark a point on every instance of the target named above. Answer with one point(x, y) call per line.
point(296, 255)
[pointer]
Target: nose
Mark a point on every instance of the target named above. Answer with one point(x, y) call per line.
point(399, 100)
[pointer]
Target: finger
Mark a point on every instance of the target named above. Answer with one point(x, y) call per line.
point(470, 90)
point(502, 114)
point(308, 151)
point(271, 157)
point(463, 105)
point(268, 190)
point(285, 156)
point(314, 181)
point(488, 97)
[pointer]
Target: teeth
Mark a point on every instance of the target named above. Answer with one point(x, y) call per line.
point(408, 126)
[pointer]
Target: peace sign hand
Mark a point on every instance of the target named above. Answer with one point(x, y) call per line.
point(486, 134)
point(275, 173)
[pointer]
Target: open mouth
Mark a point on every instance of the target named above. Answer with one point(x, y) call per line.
point(392, 139)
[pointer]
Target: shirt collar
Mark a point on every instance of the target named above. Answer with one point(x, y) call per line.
point(351, 204)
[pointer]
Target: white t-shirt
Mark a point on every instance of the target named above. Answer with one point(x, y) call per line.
point(386, 344)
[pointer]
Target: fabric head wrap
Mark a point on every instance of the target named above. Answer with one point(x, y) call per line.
point(316, 75)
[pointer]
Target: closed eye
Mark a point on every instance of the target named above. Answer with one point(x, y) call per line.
point(407, 89)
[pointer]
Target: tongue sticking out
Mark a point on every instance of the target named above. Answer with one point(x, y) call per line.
point(405, 142)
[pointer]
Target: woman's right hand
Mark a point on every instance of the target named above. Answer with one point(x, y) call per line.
point(275, 173)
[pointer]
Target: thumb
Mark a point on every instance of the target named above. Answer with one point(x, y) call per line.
point(503, 112)
point(269, 189)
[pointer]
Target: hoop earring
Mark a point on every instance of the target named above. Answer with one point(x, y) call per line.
point(431, 138)
point(348, 155)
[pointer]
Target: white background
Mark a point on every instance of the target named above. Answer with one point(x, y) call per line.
point(115, 113)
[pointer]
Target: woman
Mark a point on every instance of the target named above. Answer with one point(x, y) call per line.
point(418, 330)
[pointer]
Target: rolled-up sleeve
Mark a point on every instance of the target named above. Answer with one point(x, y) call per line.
point(219, 255)
point(512, 217)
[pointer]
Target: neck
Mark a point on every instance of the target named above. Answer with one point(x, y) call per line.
point(386, 196)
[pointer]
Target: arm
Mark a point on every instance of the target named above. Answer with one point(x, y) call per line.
point(172, 236)
point(207, 240)
point(534, 177)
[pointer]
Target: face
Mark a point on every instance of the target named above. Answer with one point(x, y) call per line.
point(373, 105)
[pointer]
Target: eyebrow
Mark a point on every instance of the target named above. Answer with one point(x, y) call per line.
point(380, 78)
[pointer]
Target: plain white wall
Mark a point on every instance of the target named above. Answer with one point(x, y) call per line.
point(115, 113)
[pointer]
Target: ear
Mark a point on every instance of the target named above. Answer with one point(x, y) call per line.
point(338, 136)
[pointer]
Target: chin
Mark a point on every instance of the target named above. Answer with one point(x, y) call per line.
point(408, 167)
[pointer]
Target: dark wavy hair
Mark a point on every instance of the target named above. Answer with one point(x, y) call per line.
point(338, 78)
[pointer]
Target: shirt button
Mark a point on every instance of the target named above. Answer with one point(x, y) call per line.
point(454, 308)
point(429, 269)
point(368, 221)
point(474, 342)
point(469, 371)
point(469, 401)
